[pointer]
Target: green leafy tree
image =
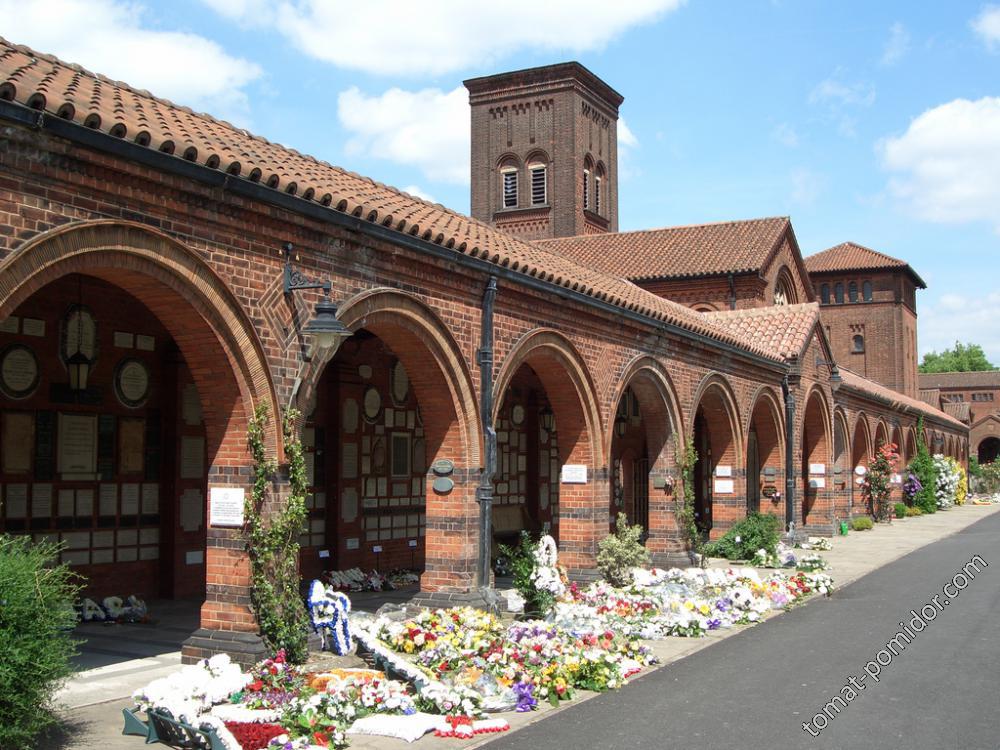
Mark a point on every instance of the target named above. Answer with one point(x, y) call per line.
point(36, 622)
point(922, 465)
point(961, 358)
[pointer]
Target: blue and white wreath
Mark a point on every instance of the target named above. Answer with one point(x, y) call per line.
point(328, 611)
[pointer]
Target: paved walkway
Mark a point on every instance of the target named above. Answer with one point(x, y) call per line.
point(95, 698)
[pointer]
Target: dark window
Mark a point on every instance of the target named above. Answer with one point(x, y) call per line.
point(838, 293)
point(866, 291)
point(859, 344)
point(824, 294)
point(510, 188)
point(852, 291)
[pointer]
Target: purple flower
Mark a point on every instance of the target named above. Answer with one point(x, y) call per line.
point(714, 624)
point(525, 700)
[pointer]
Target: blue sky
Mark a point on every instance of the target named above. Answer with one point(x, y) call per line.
point(875, 122)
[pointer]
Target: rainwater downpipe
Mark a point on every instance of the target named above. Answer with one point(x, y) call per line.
point(484, 493)
point(732, 292)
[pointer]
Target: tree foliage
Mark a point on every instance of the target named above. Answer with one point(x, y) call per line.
point(619, 553)
point(960, 358)
point(36, 643)
point(922, 464)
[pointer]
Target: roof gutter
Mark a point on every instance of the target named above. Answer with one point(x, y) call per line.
point(100, 141)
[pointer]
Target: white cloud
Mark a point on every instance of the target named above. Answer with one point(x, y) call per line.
point(897, 45)
point(426, 129)
point(400, 37)
point(807, 186)
point(108, 37)
point(626, 138)
point(953, 318)
point(417, 192)
point(785, 134)
point(987, 26)
point(946, 166)
point(839, 100)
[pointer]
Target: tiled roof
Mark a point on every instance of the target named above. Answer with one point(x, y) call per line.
point(961, 411)
point(783, 330)
point(981, 379)
point(68, 91)
point(850, 256)
point(677, 252)
point(897, 400)
point(930, 396)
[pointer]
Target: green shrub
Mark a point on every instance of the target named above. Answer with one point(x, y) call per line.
point(862, 523)
point(922, 465)
point(619, 553)
point(756, 531)
point(900, 509)
point(521, 561)
point(913, 512)
point(36, 617)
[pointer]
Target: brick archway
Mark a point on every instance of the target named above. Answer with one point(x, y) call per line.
point(715, 426)
point(764, 451)
point(911, 443)
point(881, 434)
point(897, 439)
point(443, 386)
point(660, 424)
point(861, 451)
point(816, 425)
point(569, 388)
point(217, 340)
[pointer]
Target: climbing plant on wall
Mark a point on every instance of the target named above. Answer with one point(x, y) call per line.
point(272, 534)
point(687, 456)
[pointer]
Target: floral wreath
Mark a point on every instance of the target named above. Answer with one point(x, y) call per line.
point(328, 611)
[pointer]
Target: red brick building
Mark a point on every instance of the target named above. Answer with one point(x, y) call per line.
point(973, 397)
point(141, 246)
point(868, 303)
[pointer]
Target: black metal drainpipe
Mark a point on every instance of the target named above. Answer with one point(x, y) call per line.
point(732, 292)
point(484, 493)
point(786, 391)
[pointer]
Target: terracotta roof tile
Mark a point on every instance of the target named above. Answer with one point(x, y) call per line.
point(961, 411)
point(930, 396)
point(784, 330)
point(43, 82)
point(895, 399)
point(981, 379)
point(677, 252)
point(850, 256)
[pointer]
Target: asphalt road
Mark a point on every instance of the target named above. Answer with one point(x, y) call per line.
point(755, 689)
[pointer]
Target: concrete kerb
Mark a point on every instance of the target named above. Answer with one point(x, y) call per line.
point(851, 558)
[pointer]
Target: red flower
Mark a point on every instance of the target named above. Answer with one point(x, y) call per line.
point(321, 739)
point(256, 686)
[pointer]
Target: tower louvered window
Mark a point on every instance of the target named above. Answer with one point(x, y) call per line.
point(539, 195)
point(586, 188)
point(509, 188)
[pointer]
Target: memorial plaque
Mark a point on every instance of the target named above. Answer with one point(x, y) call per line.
point(723, 471)
point(108, 500)
point(33, 327)
point(190, 405)
point(349, 504)
point(16, 500)
point(77, 453)
point(191, 503)
point(349, 460)
point(41, 500)
point(66, 503)
point(130, 499)
point(145, 343)
point(132, 382)
point(18, 436)
point(817, 468)
point(84, 503)
point(124, 340)
point(11, 324)
point(226, 506)
point(192, 457)
point(573, 474)
point(18, 371)
point(131, 445)
point(150, 499)
point(724, 487)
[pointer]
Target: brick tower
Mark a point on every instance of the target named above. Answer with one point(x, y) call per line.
point(545, 151)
